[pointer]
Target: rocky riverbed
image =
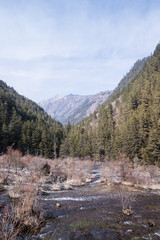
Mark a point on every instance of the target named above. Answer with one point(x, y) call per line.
point(94, 211)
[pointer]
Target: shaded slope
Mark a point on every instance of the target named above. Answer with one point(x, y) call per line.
point(26, 125)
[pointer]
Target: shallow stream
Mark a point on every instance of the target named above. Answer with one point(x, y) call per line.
point(94, 211)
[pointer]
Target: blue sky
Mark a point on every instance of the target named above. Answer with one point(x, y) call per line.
point(50, 47)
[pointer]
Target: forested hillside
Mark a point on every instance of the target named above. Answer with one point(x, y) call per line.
point(26, 126)
point(130, 124)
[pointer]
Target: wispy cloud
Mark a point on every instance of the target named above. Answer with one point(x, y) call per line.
point(70, 46)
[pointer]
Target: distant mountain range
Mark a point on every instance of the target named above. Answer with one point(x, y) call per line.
point(73, 108)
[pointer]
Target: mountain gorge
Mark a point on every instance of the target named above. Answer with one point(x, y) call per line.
point(73, 108)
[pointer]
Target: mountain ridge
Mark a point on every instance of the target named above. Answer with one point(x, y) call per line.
point(133, 72)
point(73, 108)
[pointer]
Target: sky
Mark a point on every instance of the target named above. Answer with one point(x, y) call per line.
point(59, 47)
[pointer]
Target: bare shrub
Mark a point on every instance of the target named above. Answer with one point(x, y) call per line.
point(116, 171)
point(78, 169)
point(126, 197)
point(14, 222)
point(23, 215)
point(8, 229)
point(25, 209)
point(13, 158)
point(140, 176)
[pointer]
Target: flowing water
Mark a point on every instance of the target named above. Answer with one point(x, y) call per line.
point(94, 212)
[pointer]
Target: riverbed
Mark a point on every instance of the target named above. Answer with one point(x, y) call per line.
point(94, 211)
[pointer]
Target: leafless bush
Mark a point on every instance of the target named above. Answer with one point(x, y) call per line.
point(8, 226)
point(16, 221)
point(13, 158)
point(11, 161)
point(126, 197)
point(72, 169)
point(116, 171)
point(22, 215)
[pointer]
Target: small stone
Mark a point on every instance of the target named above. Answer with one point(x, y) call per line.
point(129, 231)
point(151, 223)
point(58, 205)
point(127, 211)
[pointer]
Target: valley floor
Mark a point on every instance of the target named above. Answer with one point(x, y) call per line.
point(64, 208)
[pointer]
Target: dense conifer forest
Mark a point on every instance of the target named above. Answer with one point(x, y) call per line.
point(25, 126)
point(129, 123)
